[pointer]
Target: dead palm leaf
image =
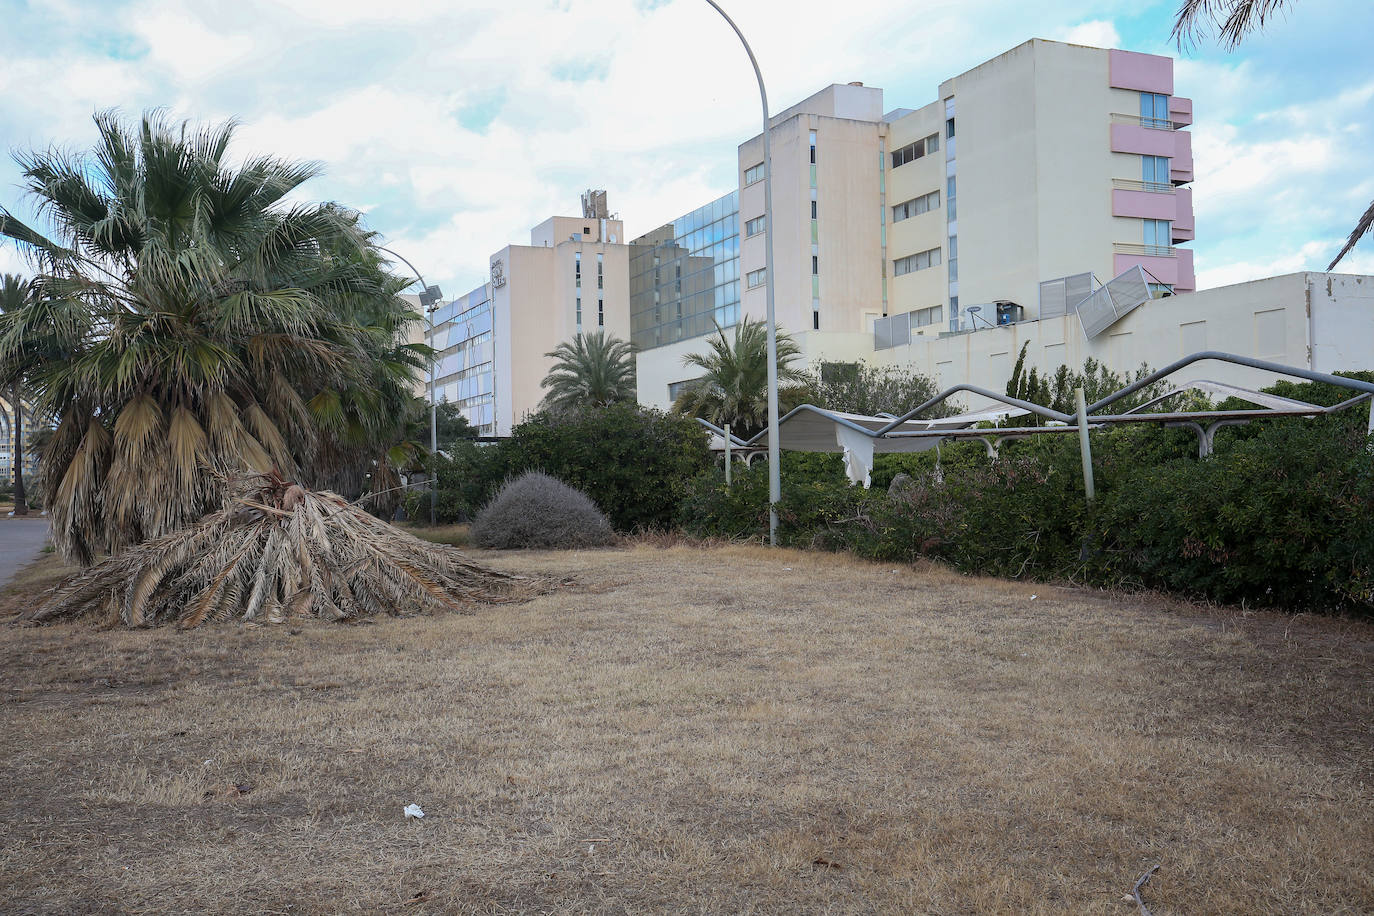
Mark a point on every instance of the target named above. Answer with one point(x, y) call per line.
point(280, 551)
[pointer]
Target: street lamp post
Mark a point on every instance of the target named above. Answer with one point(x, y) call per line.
point(774, 471)
point(429, 299)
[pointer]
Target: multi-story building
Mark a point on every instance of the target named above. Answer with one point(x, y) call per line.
point(684, 283)
point(939, 239)
point(491, 344)
point(1048, 161)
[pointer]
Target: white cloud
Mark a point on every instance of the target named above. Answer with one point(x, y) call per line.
point(1097, 33)
point(461, 125)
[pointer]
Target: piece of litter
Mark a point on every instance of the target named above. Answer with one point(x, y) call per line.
point(787, 569)
point(1033, 597)
point(413, 811)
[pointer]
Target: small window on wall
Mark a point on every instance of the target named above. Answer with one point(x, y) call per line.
point(949, 128)
point(754, 226)
point(753, 174)
point(813, 209)
point(756, 278)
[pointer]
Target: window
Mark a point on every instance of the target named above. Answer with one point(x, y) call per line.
point(1158, 233)
point(815, 321)
point(913, 151)
point(754, 226)
point(600, 274)
point(600, 312)
point(753, 174)
point(1154, 110)
point(953, 258)
point(951, 211)
point(914, 262)
point(586, 230)
point(815, 265)
point(922, 317)
point(579, 313)
point(756, 277)
point(1155, 170)
point(916, 206)
point(813, 209)
point(813, 147)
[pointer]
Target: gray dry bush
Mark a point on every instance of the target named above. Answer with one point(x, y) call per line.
point(536, 510)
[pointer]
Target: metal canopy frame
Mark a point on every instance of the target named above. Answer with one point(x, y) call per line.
point(1205, 423)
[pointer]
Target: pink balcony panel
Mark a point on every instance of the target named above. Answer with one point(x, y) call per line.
point(1187, 280)
point(1181, 160)
point(1143, 204)
point(1176, 271)
point(1181, 111)
point(1132, 138)
point(1145, 72)
point(1183, 220)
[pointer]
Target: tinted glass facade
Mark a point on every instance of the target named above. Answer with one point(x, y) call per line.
point(463, 373)
point(684, 276)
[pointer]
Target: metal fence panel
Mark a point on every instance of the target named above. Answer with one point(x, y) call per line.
point(1112, 302)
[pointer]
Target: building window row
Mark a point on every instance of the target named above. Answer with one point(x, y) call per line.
point(916, 206)
point(753, 174)
point(914, 262)
point(754, 226)
point(913, 151)
point(756, 278)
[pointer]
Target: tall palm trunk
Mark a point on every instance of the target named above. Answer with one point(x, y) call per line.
point(21, 506)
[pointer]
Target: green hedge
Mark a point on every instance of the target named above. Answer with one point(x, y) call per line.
point(1279, 517)
point(633, 462)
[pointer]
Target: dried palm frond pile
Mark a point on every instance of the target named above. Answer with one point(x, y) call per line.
point(277, 551)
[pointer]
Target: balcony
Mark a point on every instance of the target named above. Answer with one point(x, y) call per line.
point(1170, 265)
point(1150, 251)
point(1183, 220)
point(1181, 111)
point(1151, 123)
point(1150, 187)
point(1141, 204)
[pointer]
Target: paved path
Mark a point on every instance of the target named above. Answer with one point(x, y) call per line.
point(21, 540)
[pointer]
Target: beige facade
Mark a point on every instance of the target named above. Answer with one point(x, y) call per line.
point(1027, 168)
point(491, 343)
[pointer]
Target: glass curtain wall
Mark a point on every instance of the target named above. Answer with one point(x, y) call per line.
point(684, 276)
point(463, 372)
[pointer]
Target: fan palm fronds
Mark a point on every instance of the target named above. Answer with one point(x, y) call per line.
point(596, 368)
point(734, 386)
point(1233, 19)
point(273, 552)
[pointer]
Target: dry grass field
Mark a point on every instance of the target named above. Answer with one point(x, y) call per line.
point(725, 730)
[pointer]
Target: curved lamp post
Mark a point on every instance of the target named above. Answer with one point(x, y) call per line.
point(774, 471)
point(429, 299)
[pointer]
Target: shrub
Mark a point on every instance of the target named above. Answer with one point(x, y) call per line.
point(634, 462)
point(536, 510)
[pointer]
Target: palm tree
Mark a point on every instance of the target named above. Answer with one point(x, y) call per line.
point(1234, 21)
point(207, 327)
point(15, 294)
point(592, 369)
point(734, 386)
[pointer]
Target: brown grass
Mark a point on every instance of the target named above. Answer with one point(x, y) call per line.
point(724, 730)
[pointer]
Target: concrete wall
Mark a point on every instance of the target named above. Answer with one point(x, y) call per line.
point(1318, 321)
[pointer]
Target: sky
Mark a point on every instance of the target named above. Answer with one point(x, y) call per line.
point(457, 125)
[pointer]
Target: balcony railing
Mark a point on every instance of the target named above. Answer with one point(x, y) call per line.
point(1154, 187)
point(1151, 251)
point(1152, 123)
